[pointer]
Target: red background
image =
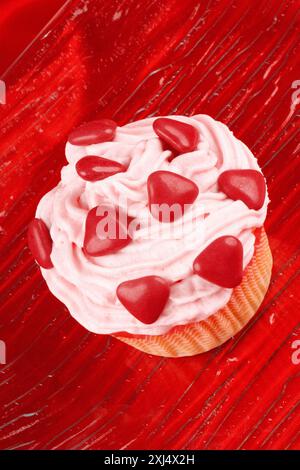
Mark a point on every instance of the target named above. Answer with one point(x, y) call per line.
point(63, 387)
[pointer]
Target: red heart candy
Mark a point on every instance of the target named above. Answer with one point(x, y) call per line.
point(40, 243)
point(94, 168)
point(165, 187)
point(247, 185)
point(221, 262)
point(93, 132)
point(106, 231)
point(145, 297)
point(179, 135)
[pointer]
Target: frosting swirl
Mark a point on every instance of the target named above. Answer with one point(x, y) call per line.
point(87, 285)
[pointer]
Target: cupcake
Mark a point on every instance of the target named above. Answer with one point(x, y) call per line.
point(155, 233)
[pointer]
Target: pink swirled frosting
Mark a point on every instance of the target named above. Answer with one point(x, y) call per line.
point(87, 285)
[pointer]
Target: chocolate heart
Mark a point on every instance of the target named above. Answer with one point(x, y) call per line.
point(170, 189)
point(92, 168)
point(247, 185)
point(93, 132)
point(106, 231)
point(221, 262)
point(179, 135)
point(40, 243)
point(145, 297)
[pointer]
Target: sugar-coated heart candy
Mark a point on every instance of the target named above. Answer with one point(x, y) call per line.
point(93, 168)
point(145, 297)
point(106, 231)
point(93, 132)
point(177, 134)
point(165, 187)
point(40, 243)
point(247, 185)
point(221, 262)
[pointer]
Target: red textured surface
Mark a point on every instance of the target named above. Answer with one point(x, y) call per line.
point(20, 21)
point(64, 387)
